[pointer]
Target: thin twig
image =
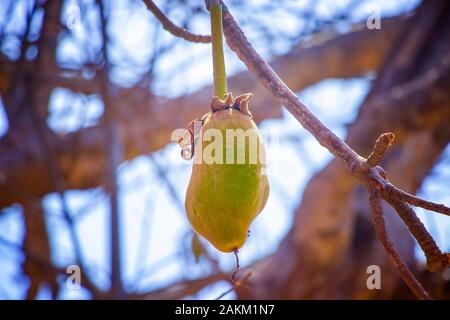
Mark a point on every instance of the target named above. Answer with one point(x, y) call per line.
point(237, 284)
point(33, 256)
point(172, 28)
point(436, 260)
point(180, 289)
point(57, 270)
point(380, 228)
point(114, 156)
point(392, 192)
point(380, 148)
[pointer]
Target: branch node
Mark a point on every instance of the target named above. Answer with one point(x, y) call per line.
point(379, 150)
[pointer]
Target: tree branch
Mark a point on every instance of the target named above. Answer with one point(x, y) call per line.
point(31, 254)
point(36, 241)
point(436, 260)
point(180, 289)
point(392, 192)
point(172, 28)
point(378, 221)
point(113, 155)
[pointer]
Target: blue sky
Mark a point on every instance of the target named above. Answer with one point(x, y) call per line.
point(154, 229)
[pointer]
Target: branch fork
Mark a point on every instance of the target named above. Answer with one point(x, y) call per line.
point(380, 188)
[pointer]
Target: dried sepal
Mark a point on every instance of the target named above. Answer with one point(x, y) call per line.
point(229, 100)
point(239, 103)
point(217, 104)
point(188, 140)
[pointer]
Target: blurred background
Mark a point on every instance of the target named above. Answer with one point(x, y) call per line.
point(91, 91)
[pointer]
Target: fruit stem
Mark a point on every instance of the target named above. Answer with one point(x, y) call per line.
point(235, 273)
point(220, 76)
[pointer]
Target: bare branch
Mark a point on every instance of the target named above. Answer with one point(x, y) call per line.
point(380, 228)
point(172, 28)
point(436, 260)
point(31, 254)
point(392, 192)
point(37, 240)
point(114, 156)
point(180, 289)
point(236, 284)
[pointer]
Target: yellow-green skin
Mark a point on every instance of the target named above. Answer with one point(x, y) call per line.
point(223, 199)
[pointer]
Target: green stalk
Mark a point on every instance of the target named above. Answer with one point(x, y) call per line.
point(220, 76)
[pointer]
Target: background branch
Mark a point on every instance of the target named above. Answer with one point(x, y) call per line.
point(114, 156)
point(172, 28)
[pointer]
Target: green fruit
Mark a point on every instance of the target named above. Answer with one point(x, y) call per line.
point(225, 195)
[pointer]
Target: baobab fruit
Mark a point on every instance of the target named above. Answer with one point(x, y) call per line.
point(228, 186)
